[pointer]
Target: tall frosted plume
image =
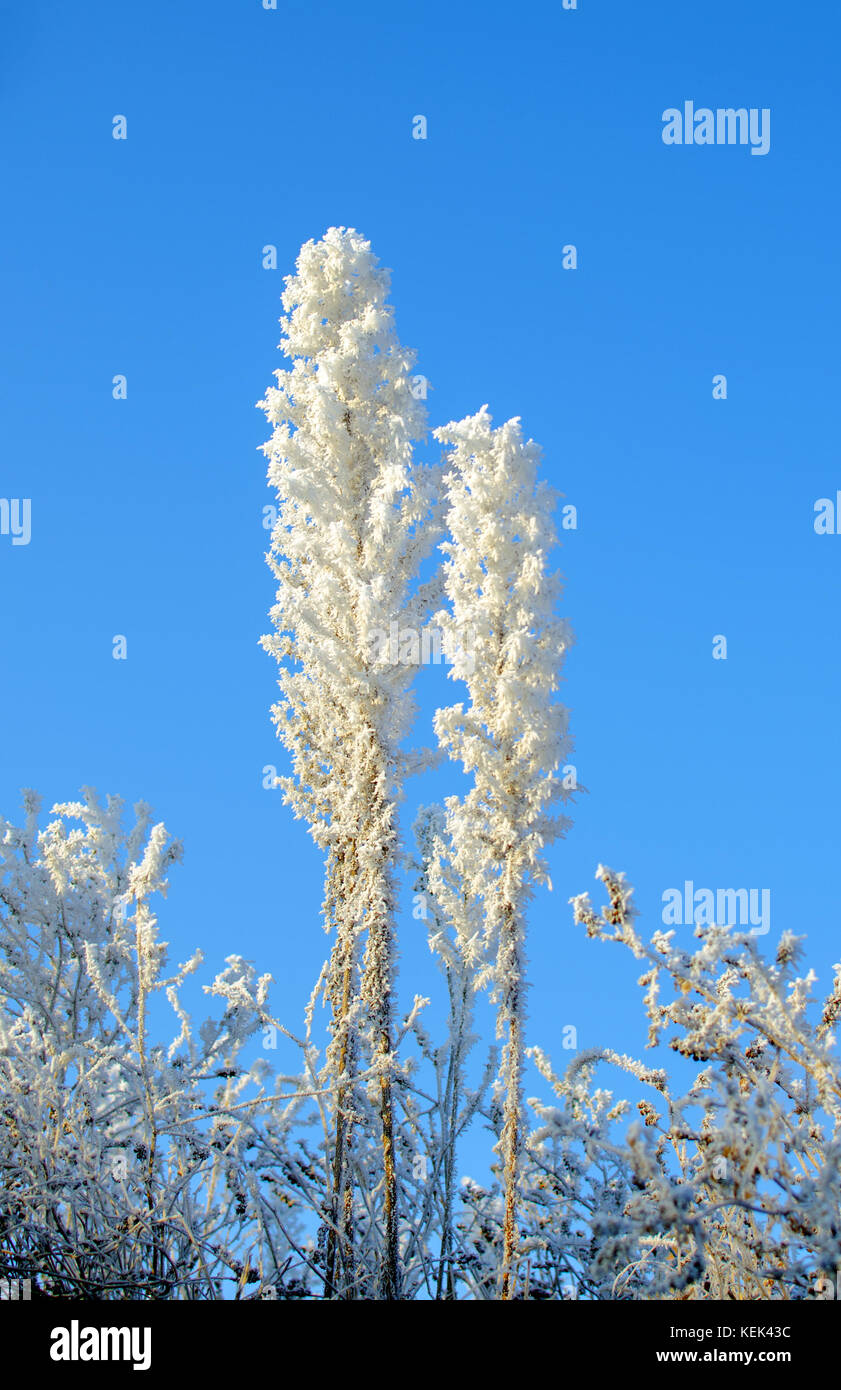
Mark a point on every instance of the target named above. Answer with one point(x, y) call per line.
point(356, 517)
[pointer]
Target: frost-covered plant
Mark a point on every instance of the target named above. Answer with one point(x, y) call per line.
point(507, 644)
point(125, 1167)
point(355, 520)
point(727, 1190)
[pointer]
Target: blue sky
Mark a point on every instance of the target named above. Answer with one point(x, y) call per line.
point(143, 257)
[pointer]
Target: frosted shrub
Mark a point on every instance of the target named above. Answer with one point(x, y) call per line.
point(125, 1165)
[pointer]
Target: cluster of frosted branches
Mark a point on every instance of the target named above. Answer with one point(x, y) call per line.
point(130, 1170)
point(728, 1189)
point(127, 1169)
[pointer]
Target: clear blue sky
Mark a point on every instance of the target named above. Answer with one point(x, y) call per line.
point(143, 257)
